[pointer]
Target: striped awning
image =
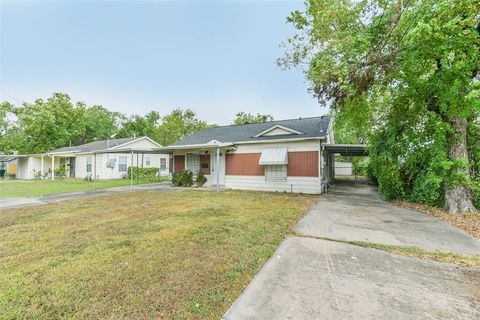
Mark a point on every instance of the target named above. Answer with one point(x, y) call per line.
point(276, 156)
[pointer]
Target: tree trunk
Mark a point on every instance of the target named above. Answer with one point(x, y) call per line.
point(458, 197)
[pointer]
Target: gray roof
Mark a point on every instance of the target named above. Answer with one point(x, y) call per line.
point(314, 127)
point(6, 158)
point(95, 145)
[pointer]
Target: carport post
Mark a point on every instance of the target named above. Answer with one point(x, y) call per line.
point(131, 172)
point(218, 170)
point(53, 167)
point(43, 167)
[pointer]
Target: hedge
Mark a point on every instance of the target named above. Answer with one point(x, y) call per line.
point(150, 174)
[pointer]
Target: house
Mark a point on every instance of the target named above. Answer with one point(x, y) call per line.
point(107, 159)
point(8, 164)
point(286, 155)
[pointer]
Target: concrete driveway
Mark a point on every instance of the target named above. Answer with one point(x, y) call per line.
point(311, 278)
point(317, 279)
point(356, 213)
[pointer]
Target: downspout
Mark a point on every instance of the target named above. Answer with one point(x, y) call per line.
point(218, 170)
point(320, 173)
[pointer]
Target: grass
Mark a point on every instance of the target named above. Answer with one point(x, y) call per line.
point(415, 252)
point(26, 188)
point(469, 222)
point(141, 255)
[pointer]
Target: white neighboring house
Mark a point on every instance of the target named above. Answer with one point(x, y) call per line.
point(103, 160)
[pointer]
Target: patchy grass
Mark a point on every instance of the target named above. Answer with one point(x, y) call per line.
point(460, 259)
point(142, 255)
point(469, 222)
point(414, 252)
point(26, 188)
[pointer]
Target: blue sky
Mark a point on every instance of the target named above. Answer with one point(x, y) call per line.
point(216, 58)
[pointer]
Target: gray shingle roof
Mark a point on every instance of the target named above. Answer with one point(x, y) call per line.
point(95, 145)
point(314, 127)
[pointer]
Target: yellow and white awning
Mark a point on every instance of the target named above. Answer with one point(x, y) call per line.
point(274, 156)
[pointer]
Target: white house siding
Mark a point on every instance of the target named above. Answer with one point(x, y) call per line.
point(99, 164)
point(310, 145)
point(258, 183)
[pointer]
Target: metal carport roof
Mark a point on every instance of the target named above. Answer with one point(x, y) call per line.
point(347, 149)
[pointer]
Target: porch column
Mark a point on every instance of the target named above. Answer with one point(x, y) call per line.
point(131, 172)
point(53, 167)
point(42, 168)
point(217, 169)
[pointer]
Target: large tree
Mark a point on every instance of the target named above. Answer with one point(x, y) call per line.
point(412, 64)
point(50, 124)
point(138, 125)
point(244, 118)
point(177, 125)
point(100, 123)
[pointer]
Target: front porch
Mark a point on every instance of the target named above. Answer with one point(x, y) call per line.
point(45, 166)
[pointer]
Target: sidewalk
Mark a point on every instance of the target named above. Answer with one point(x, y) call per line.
point(18, 202)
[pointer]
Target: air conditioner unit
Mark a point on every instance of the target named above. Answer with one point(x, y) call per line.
point(111, 163)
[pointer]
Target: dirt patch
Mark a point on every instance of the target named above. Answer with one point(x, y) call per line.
point(469, 222)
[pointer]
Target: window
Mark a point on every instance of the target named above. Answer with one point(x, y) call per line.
point(163, 164)
point(147, 161)
point(193, 162)
point(276, 172)
point(122, 164)
point(89, 164)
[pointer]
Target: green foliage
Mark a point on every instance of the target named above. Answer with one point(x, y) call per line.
point(183, 178)
point(43, 126)
point(177, 125)
point(60, 171)
point(244, 118)
point(200, 178)
point(145, 174)
point(137, 126)
point(403, 77)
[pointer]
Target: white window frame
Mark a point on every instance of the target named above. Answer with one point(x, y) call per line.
point(121, 164)
point(193, 162)
point(148, 163)
point(277, 172)
point(88, 164)
point(163, 164)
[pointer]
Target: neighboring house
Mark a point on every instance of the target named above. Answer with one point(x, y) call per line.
point(343, 168)
point(8, 164)
point(280, 156)
point(107, 159)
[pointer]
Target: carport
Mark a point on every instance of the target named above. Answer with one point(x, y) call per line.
point(347, 150)
point(139, 152)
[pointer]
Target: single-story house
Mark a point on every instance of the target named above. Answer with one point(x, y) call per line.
point(8, 164)
point(107, 159)
point(286, 155)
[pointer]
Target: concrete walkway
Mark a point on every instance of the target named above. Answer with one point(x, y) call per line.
point(318, 279)
point(356, 213)
point(7, 203)
point(310, 278)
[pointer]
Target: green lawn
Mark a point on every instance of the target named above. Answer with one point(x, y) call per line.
point(140, 255)
point(25, 188)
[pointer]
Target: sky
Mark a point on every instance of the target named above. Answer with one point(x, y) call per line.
point(214, 57)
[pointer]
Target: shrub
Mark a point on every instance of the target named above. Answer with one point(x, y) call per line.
point(200, 179)
point(148, 174)
point(183, 178)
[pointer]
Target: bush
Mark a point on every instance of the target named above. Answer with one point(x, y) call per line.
point(200, 179)
point(476, 192)
point(183, 178)
point(148, 174)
